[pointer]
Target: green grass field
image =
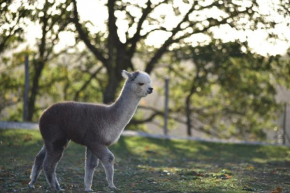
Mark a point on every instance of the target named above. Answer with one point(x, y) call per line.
point(152, 165)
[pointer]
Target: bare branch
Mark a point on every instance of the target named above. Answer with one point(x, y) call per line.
point(167, 43)
point(56, 39)
point(145, 12)
point(177, 119)
point(217, 23)
point(85, 37)
point(148, 119)
point(133, 41)
point(93, 75)
point(62, 12)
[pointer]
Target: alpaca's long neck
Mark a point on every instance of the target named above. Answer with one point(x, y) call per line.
point(119, 114)
point(125, 106)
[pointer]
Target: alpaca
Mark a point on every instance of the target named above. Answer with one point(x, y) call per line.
point(92, 125)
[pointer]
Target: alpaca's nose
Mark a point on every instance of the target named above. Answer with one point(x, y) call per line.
point(150, 90)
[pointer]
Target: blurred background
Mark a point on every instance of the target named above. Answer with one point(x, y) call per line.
point(220, 69)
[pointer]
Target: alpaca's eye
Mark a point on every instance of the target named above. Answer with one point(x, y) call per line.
point(141, 84)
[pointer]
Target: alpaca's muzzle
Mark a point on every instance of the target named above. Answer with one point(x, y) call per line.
point(150, 90)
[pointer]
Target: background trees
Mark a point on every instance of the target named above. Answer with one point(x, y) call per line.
point(124, 35)
point(53, 18)
point(230, 92)
point(12, 24)
point(225, 89)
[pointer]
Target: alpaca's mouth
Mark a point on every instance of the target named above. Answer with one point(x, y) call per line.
point(150, 90)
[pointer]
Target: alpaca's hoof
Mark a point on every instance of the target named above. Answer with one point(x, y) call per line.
point(89, 190)
point(57, 188)
point(31, 186)
point(113, 187)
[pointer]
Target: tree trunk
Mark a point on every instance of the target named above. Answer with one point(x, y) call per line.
point(187, 107)
point(111, 89)
point(34, 90)
point(188, 114)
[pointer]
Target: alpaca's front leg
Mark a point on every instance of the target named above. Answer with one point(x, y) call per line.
point(91, 163)
point(108, 164)
point(107, 158)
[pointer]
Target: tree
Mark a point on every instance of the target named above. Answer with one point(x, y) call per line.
point(11, 82)
point(187, 30)
point(230, 92)
point(53, 18)
point(116, 53)
point(11, 24)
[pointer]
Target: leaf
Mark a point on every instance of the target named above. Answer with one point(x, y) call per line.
point(25, 182)
point(247, 188)
point(225, 176)
point(277, 190)
point(250, 168)
point(228, 176)
point(27, 137)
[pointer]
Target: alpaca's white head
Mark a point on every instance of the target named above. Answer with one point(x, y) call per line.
point(139, 82)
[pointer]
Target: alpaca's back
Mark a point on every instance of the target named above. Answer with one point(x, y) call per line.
point(72, 121)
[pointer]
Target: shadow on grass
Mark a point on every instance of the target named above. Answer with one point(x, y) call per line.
point(152, 165)
point(222, 167)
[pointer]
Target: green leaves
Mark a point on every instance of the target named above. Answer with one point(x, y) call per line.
point(231, 90)
point(12, 24)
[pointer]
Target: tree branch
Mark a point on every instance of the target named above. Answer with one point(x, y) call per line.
point(76, 97)
point(170, 40)
point(217, 23)
point(137, 36)
point(85, 37)
point(148, 119)
point(177, 119)
point(167, 43)
point(133, 41)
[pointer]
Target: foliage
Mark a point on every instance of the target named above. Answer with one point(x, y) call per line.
point(12, 24)
point(228, 92)
point(200, 19)
point(126, 31)
point(59, 81)
point(53, 18)
point(12, 84)
point(152, 165)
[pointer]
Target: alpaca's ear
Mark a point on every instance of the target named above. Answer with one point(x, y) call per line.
point(126, 74)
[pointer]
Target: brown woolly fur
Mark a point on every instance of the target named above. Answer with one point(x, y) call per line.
point(92, 125)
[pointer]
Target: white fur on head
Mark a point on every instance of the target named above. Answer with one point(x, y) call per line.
point(126, 74)
point(141, 83)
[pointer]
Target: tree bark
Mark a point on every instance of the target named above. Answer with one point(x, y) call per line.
point(188, 114)
point(38, 67)
point(34, 90)
point(188, 111)
point(109, 94)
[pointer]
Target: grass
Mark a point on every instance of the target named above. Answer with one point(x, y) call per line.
point(152, 165)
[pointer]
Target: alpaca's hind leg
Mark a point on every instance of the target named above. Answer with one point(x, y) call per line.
point(52, 157)
point(107, 158)
point(37, 167)
point(91, 163)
